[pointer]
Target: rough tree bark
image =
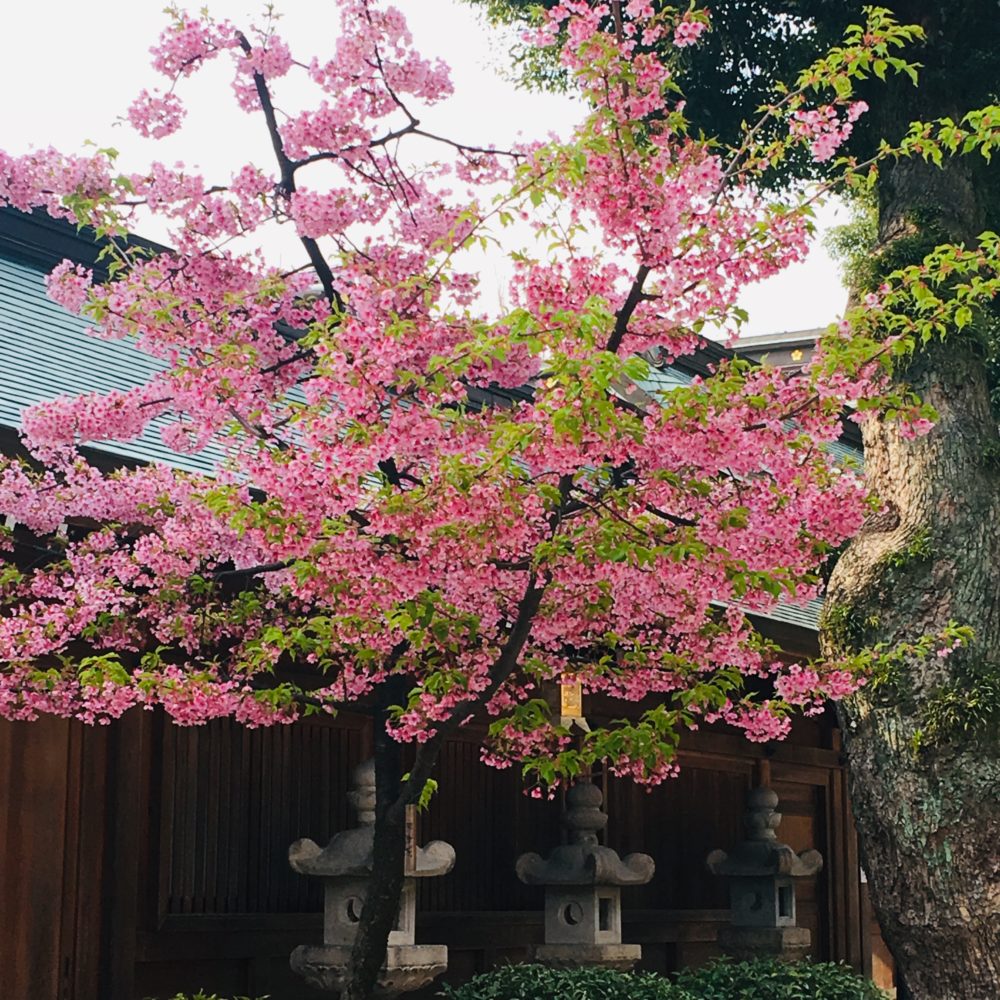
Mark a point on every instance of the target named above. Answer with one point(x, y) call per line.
point(929, 819)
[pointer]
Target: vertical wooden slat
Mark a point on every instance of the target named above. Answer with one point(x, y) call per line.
point(268, 795)
point(854, 917)
point(199, 805)
point(34, 764)
point(262, 816)
point(89, 923)
point(70, 861)
point(286, 736)
point(195, 756)
point(217, 736)
point(128, 838)
point(223, 857)
point(835, 863)
point(166, 738)
point(176, 839)
point(248, 812)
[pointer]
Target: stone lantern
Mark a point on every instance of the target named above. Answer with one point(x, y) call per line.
point(761, 873)
point(345, 865)
point(583, 880)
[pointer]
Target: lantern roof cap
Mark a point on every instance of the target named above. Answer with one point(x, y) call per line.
point(350, 852)
point(584, 861)
point(761, 853)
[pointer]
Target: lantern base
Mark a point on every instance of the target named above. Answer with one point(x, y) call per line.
point(787, 944)
point(407, 967)
point(610, 956)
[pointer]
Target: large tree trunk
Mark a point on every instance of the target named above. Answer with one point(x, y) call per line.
point(929, 818)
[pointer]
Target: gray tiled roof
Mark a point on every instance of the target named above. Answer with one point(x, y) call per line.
point(46, 351)
point(803, 615)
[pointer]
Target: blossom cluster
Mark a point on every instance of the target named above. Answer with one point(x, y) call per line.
point(824, 129)
point(405, 481)
point(156, 115)
point(688, 31)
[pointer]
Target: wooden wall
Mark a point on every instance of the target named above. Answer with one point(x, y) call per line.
point(141, 859)
point(52, 858)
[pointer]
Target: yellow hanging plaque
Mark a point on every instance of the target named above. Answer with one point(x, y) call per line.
point(571, 699)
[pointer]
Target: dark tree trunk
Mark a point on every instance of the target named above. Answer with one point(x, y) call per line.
point(385, 887)
point(929, 818)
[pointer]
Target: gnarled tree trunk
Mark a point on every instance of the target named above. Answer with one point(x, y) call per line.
point(929, 818)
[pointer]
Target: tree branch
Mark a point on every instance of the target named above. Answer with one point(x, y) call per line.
point(503, 667)
point(272, 567)
point(287, 167)
point(345, 153)
point(624, 315)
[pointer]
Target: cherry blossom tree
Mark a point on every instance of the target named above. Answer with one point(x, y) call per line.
point(427, 508)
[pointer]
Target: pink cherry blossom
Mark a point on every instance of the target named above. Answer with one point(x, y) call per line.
point(823, 128)
point(69, 284)
point(401, 479)
point(155, 115)
point(688, 31)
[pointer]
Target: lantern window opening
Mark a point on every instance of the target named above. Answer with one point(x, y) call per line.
point(604, 904)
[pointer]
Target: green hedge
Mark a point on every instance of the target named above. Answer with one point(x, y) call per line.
point(762, 979)
point(766, 979)
point(201, 995)
point(539, 982)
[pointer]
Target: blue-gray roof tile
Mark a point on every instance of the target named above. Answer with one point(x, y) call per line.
point(46, 351)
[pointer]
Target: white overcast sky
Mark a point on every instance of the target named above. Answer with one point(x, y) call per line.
point(69, 69)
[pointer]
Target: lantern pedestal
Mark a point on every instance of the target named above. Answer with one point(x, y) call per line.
point(788, 944)
point(407, 967)
point(621, 957)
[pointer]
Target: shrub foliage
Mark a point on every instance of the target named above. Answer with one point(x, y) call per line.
point(760, 979)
